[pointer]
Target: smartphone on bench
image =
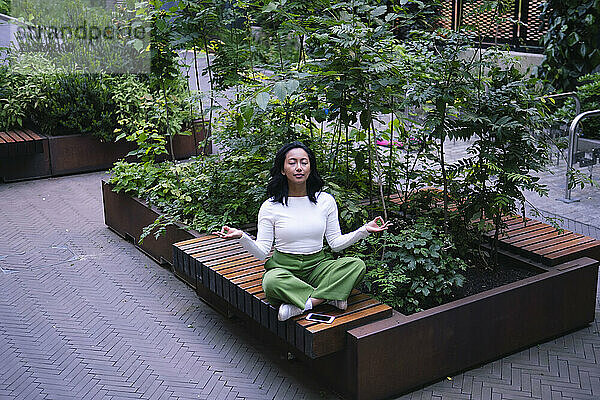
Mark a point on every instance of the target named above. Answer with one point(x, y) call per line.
point(320, 318)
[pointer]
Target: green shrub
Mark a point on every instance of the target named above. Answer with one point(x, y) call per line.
point(77, 103)
point(22, 84)
point(417, 269)
point(5, 6)
point(572, 41)
point(204, 194)
point(33, 91)
point(589, 95)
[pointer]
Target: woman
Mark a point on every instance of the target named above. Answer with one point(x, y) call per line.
point(299, 275)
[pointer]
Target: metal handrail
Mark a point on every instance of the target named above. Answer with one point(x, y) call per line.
point(560, 96)
point(572, 135)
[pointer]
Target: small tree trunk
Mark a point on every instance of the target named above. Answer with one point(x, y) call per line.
point(279, 51)
point(441, 134)
point(497, 221)
point(212, 86)
point(347, 157)
point(378, 164)
point(250, 45)
point(301, 51)
point(391, 146)
point(167, 121)
point(200, 99)
point(370, 162)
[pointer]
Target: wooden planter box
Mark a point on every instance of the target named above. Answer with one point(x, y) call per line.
point(82, 153)
point(398, 354)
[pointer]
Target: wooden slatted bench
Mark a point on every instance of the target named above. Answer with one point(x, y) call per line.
point(544, 244)
point(231, 273)
point(20, 142)
point(530, 240)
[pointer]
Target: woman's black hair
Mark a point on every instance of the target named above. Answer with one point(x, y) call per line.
point(277, 188)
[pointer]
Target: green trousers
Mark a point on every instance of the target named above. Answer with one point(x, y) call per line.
point(293, 278)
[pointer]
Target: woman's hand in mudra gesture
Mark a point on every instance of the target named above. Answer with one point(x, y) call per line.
point(377, 225)
point(228, 232)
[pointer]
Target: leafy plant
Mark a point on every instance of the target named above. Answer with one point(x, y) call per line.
point(23, 83)
point(5, 6)
point(354, 54)
point(165, 82)
point(77, 103)
point(198, 23)
point(508, 146)
point(589, 96)
point(204, 194)
point(82, 35)
point(571, 43)
point(439, 86)
point(142, 116)
point(412, 269)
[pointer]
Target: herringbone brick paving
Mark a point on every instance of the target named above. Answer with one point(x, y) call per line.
point(84, 315)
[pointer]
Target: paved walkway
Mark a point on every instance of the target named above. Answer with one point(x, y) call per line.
point(85, 315)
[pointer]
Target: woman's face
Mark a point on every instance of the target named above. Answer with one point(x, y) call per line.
point(296, 166)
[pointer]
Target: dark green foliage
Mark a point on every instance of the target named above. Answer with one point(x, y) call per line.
point(89, 37)
point(472, 97)
point(165, 118)
point(77, 103)
point(416, 16)
point(417, 269)
point(5, 6)
point(232, 60)
point(589, 94)
point(571, 43)
point(23, 85)
point(141, 117)
point(148, 109)
point(203, 194)
point(507, 150)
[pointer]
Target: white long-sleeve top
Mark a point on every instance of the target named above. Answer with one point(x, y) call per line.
point(299, 227)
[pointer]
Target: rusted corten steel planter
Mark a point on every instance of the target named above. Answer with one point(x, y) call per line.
point(127, 216)
point(82, 153)
point(401, 353)
point(70, 154)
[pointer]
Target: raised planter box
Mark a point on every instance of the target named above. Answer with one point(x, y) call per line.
point(404, 352)
point(127, 216)
point(82, 153)
point(397, 354)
